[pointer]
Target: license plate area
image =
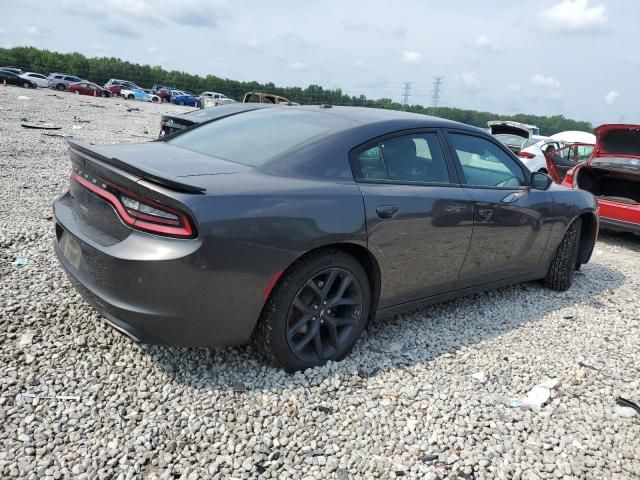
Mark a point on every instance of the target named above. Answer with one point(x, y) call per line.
point(71, 249)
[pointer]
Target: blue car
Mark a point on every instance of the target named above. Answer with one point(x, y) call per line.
point(184, 98)
point(139, 94)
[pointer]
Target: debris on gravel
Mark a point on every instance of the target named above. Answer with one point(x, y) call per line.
point(79, 400)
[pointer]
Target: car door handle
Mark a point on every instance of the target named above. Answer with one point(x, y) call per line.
point(387, 211)
point(512, 197)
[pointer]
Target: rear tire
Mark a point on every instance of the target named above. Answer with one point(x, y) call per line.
point(164, 100)
point(77, 92)
point(563, 266)
point(60, 87)
point(130, 97)
point(335, 312)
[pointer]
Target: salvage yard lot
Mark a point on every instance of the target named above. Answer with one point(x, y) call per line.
point(416, 398)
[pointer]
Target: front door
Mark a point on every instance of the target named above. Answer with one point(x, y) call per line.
point(509, 233)
point(419, 221)
point(560, 161)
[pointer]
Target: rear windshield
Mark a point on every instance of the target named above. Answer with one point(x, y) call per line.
point(253, 138)
point(510, 139)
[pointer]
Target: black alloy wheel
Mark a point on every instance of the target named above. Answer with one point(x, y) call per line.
point(323, 315)
point(316, 312)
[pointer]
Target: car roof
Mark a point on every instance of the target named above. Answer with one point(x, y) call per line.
point(366, 115)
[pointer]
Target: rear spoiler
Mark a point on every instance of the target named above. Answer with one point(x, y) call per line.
point(84, 148)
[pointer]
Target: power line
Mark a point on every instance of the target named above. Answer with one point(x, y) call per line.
point(435, 91)
point(406, 93)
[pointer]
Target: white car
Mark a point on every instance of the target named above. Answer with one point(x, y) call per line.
point(139, 94)
point(533, 155)
point(36, 78)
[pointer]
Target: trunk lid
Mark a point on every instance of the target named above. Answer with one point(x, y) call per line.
point(617, 147)
point(161, 163)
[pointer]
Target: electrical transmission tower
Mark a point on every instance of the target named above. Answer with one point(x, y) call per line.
point(435, 91)
point(406, 93)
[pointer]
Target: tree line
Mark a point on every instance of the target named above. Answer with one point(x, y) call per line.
point(101, 69)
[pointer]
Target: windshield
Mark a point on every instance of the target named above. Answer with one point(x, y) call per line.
point(253, 138)
point(514, 140)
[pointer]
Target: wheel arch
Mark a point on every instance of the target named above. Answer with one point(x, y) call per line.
point(588, 236)
point(356, 250)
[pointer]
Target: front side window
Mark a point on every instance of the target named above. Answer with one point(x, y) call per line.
point(409, 158)
point(485, 164)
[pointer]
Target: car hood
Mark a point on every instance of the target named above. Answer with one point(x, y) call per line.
point(165, 160)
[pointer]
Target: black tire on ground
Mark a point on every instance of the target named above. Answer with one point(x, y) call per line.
point(164, 100)
point(273, 332)
point(154, 99)
point(60, 87)
point(563, 266)
point(26, 85)
point(130, 97)
point(182, 103)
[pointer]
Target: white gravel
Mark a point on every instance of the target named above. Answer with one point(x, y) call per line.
point(416, 398)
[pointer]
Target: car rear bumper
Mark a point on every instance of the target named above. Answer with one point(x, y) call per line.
point(162, 290)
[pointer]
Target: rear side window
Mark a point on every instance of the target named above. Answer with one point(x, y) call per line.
point(408, 158)
point(485, 164)
point(256, 137)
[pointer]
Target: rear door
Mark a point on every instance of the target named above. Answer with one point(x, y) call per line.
point(419, 220)
point(509, 233)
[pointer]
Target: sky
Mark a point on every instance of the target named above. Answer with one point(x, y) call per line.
point(578, 58)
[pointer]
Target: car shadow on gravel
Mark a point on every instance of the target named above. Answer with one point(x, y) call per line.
point(393, 343)
point(625, 240)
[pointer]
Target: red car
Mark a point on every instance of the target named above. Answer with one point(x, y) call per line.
point(612, 174)
point(88, 88)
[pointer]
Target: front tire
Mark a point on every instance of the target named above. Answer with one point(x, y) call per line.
point(563, 266)
point(316, 312)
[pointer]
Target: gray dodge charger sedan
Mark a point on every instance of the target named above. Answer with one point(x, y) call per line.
point(293, 227)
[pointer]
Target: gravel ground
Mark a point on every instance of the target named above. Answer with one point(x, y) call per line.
point(416, 398)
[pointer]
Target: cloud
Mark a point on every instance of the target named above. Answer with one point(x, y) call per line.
point(35, 31)
point(547, 82)
point(152, 49)
point(515, 87)
point(470, 81)
point(611, 97)
point(298, 66)
point(483, 43)
point(195, 13)
point(120, 29)
point(409, 56)
point(576, 16)
point(375, 29)
point(361, 64)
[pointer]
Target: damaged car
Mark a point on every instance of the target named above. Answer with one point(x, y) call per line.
point(294, 227)
point(514, 134)
point(611, 173)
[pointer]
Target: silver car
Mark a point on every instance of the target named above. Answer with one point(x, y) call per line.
point(61, 81)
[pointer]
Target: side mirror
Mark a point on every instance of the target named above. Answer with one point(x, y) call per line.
point(540, 181)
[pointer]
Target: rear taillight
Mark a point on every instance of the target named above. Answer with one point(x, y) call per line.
point(139, 212)
point(526, 155)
